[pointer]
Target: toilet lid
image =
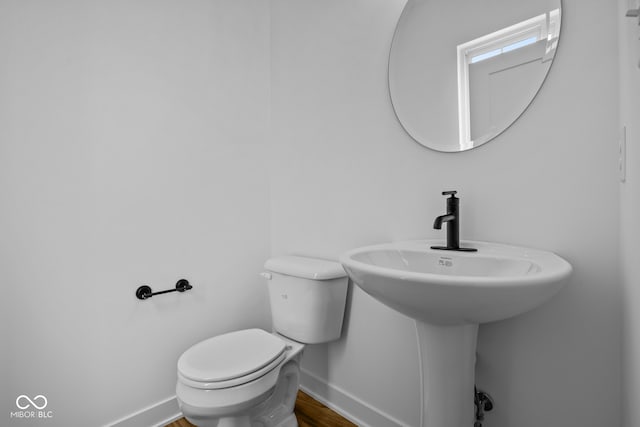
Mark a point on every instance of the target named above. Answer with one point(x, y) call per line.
point(230, 356)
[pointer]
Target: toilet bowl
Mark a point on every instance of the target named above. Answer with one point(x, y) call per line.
point(250, 378)
point(239, 378)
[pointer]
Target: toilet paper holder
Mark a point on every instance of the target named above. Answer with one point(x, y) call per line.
point(145, 292)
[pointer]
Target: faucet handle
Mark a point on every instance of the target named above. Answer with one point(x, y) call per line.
point(451, 193)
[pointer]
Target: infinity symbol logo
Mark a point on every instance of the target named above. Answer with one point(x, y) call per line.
point(23, 397)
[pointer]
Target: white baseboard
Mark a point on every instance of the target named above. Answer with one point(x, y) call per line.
point(344, 403)
point(157, 415)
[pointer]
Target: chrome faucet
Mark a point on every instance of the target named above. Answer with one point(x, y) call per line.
point(452, 220)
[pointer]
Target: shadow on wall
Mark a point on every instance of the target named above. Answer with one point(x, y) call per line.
point(318, 355)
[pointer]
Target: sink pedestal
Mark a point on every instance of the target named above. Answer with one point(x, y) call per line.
point(447, 365)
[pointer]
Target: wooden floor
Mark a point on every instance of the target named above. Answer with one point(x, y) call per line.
point(309, 412)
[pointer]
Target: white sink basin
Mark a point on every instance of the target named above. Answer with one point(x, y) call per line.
point(449, 293)
point(449, 287)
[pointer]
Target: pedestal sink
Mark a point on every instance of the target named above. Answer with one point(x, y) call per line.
point(449, 294)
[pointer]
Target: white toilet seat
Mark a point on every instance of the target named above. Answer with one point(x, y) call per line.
point(226, 401)
point(231, 359)
point(215, 385)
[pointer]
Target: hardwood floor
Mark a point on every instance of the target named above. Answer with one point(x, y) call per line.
point(309, 412)
point(180, 423)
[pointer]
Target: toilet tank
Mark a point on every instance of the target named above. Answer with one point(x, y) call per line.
point(308, 297)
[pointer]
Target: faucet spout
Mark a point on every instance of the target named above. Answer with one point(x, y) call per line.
point(437, 224)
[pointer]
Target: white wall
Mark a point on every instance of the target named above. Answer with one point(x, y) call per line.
point(344, 174)
point(132, 143)
point(132, 151)
point(630, 211)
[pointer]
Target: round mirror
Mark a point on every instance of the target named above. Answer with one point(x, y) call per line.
point(462, 71)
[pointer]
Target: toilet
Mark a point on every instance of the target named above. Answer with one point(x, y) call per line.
point(250, 378)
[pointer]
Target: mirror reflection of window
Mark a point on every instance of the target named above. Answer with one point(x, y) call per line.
point(424, 82)
point(492, 66)
point(508, 48)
